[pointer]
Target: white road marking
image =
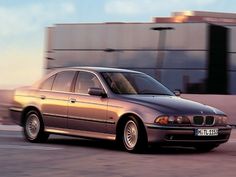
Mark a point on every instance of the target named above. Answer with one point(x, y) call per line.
point(29, 147)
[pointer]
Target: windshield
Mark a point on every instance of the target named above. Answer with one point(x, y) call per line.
point(134, 83)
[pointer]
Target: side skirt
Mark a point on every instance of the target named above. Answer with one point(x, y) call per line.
point(79, 133)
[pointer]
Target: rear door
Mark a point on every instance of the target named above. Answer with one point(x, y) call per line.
point(54, 95)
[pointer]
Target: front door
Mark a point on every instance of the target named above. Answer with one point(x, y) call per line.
point(87, 112)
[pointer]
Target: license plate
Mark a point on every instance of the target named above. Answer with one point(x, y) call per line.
point(206, 132)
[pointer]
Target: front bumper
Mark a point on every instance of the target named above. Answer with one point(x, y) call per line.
point(184, 135)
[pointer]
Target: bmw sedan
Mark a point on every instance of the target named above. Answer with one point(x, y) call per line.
point(115, 104)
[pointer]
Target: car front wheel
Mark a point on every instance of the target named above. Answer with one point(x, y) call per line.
point(134, 138)
point(34, 128)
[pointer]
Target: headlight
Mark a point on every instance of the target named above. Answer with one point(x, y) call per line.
point(162, 120)
point(172, 120)
point(222, 120)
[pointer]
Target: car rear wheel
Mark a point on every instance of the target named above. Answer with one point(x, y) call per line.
point(34, 128)
point(134, 137)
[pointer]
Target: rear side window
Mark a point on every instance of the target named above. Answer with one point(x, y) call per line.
point(63, 81)
point(47, 84)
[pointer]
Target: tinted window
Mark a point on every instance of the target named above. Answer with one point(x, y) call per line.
point(85, 81)
point(134, 83)
point(63, 81)
point(47, 84)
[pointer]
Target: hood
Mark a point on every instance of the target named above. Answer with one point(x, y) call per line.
point(172, 105)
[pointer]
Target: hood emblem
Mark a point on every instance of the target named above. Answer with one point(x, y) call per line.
point(201, 112)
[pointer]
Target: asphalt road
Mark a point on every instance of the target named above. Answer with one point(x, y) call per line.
point(66, 156)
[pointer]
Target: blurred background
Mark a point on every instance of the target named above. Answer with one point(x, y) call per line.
point(187, 45)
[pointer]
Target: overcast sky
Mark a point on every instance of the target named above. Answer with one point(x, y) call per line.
point(23, 22)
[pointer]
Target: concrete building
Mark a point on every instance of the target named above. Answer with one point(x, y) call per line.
point(191, 51)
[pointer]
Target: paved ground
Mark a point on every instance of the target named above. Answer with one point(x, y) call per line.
point(66, 156)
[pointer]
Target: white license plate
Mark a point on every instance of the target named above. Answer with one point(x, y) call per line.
point(206, 132)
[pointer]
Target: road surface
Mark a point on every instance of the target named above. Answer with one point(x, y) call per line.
point(67, 156)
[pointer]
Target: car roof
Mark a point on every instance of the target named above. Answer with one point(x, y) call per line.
point(84, 68)
point(98, 69)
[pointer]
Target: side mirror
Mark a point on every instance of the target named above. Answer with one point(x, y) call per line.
point(96, 92)
point(177, 92)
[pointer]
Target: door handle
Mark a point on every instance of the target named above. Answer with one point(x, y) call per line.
point(43, 97)
point(72, 100)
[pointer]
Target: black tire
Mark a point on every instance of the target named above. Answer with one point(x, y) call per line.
point(205, 148)
point(34, 128)
point(133, 136)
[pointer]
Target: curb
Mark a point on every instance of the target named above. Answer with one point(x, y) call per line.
point(10, 128)
point(8, 125)
point(6, 121)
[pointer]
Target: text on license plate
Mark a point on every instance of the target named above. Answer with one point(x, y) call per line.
point(206, 132)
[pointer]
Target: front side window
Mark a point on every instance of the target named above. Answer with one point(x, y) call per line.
point(47, 84)
point(85, 81)
point(63, 81)
point(134, 83)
